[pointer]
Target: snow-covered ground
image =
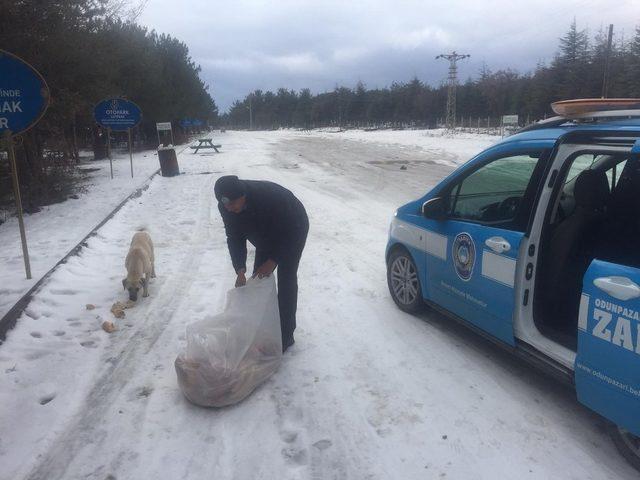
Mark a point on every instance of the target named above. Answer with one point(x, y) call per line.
point(367, 392)
point(438, 143)
point(54, 231)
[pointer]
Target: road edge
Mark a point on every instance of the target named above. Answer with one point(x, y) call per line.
point(9, 320)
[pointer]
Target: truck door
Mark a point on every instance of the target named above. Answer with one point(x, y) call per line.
point(607, 368)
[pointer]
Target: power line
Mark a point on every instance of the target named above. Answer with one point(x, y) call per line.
point(453, 82)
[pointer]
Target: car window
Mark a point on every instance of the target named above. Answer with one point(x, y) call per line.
point(580, 164)
point(590, 161)
point(587, 161)
point(493, 193)
point(613, 174)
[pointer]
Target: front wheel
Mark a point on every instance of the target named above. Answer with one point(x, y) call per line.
point(403, 281)
point(628, 444)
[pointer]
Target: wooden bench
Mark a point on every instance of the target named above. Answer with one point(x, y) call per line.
point(204, 143)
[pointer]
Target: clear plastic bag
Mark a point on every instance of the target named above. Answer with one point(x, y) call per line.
point(229, 355)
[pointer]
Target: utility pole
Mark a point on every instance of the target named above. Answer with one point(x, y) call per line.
point(607, 60)
point(452, 82)
point(250, 114)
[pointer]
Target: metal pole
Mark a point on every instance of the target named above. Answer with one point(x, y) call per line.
point(171, 130)
point(607, 59)
point(158, 131)
point(8, 139)
point(75, 139)
point(130, 152)
point(109, 150)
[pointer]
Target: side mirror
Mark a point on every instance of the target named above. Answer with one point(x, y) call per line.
point(435, 209)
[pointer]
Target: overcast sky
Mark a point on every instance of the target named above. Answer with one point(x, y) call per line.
point(247, 45)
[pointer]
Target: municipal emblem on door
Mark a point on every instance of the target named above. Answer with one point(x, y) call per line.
point(464, 255)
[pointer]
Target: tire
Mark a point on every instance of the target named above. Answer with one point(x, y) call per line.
point(628, 445)
point(404, 282)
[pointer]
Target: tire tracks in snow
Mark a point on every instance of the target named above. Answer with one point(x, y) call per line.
point(85, 432)
point(313, 447)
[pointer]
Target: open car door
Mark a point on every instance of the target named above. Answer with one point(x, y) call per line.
point(607, 368)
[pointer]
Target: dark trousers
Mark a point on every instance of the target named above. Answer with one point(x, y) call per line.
point(288, 281)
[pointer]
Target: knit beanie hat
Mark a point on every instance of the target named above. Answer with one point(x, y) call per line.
point(228, 189)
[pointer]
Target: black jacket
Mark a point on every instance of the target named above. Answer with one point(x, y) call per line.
point(273, 220)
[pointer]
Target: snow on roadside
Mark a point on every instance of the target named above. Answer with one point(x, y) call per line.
point(56, 229)
point(367, 392)
point(58, 363)
point(52, 232)
point(453, 150)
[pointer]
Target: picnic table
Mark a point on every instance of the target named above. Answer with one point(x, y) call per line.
point(204, 143)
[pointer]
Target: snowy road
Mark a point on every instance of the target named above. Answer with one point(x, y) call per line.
point(54, 231)
point(367, 392)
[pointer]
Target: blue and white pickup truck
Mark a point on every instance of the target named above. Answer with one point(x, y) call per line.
point(535, 242)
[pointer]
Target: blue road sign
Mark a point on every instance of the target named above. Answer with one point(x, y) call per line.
point(24, 95)
point(197, 123)
point(117, 114)
point(186, 123)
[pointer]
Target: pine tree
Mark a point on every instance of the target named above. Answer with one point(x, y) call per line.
point(631, 79)
point(572, 64)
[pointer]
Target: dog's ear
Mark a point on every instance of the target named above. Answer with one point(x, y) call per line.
point(124, 283)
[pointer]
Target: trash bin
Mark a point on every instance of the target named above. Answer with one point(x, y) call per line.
point(168, 161)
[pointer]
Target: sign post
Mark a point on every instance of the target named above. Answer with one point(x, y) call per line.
point(508, 120)
point(109, 151)
point(130, 152)
point(163, 127)
point(120, 115)
point(8, 141)
point(24, 97)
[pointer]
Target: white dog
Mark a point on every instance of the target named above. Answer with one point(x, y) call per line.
point(140, 265)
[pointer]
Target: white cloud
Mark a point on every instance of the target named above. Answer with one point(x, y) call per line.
point(265, 44)
point(411, 40)
point(348, 54)
point(232, 64)
point(296, 62)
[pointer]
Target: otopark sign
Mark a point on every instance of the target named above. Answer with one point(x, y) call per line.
point(24, 97)
point(117, 114)
point(188, 122)
point(120, 115)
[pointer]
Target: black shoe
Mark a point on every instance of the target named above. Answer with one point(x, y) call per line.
point(286, 343)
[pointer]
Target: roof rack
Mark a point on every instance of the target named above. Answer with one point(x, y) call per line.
point(582, 106)
point(551, 122)
point(588, 109)
point(556, 121)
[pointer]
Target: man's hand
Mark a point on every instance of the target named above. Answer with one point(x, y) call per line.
point(241, 280)
point(265, 270)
